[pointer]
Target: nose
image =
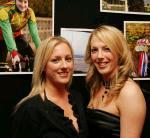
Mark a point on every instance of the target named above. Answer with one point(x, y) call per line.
point(64, 64)
point(100, 54)
point(22, 3)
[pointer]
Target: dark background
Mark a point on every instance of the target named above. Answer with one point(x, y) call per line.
point(86, 14)
point(67, 14)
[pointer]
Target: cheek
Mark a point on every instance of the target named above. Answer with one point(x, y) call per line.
point(93, 57)
point(114, 59)
point(110, 55)
point(26, 5)
point(17, 4)
point(72, 65)
point(48, 68)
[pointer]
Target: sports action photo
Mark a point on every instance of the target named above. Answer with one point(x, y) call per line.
point(22, 28)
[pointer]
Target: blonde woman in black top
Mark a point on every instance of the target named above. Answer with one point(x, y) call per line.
point(51, 110)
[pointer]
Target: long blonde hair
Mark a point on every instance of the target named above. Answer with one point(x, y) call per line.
point(43, 54)
point(116, 42)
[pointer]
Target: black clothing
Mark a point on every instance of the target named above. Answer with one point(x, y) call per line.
point(36, 118)
point(103, 124)
point(22, 45)
point(24, 49)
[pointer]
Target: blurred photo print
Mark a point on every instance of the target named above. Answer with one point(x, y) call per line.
point(78, 38)
point(126, 6)
point(137, 34)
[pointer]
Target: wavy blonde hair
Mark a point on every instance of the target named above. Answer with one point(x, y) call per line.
point(116, 42)
point(43, 54)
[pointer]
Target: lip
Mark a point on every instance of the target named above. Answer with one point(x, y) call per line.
point(102, 64)
point(63, 74)
point(22, 8)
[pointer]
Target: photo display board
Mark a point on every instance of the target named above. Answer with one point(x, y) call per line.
point(82, 16)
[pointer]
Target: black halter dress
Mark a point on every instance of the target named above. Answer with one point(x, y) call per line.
point(103, 124)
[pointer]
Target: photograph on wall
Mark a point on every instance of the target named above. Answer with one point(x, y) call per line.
point(137, 34)
point(22, 28)
point(126, 6)
point(78, 39)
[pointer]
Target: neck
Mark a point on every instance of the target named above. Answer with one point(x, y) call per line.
point(106, 84)
point(111, 75)
point(55, 91)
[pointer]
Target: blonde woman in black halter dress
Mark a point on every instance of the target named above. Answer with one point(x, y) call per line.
point(117, 106)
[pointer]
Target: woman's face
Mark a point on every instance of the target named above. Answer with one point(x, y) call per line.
point(59, 68)
point(22, 5)
point(104, 60)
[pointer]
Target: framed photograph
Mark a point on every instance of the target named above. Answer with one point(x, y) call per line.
point(23, 36)
point(78, 38)
point(137, 34)
point(126, 6)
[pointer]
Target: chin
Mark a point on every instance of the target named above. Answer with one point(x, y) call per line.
point(22, 10)
point(104, 72)
point(65, 81)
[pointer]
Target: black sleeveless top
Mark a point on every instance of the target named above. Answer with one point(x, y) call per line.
point(103, 124)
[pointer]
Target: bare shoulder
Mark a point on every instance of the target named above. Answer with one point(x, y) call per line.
point(132, 109)
point(131, 90)
point(131, 95)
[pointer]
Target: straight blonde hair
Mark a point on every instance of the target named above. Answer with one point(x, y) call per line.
point(43, 54)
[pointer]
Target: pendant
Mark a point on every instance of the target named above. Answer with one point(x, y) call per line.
point(103, 96)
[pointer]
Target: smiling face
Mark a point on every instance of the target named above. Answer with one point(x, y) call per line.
point(22, 5)
point(102, 57)
point(59, 68)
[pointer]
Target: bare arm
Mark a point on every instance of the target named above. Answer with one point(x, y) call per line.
point(132, 107)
